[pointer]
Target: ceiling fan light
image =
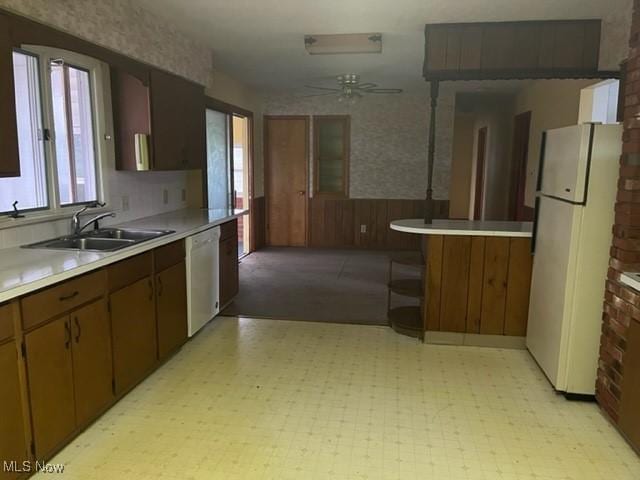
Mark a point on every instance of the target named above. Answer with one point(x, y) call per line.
point(343, 43)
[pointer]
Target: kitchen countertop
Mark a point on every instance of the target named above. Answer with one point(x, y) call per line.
point(464, 227)
point(24, 270)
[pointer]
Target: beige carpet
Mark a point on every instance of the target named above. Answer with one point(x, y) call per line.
point(339, 286)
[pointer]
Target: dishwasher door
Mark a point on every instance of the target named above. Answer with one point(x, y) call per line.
point(203, 283)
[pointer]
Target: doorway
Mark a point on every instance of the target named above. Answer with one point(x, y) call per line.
point(521, 127)
point(240, 175)
point(286, 181)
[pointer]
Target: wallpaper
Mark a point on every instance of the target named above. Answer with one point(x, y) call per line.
point(389, 140)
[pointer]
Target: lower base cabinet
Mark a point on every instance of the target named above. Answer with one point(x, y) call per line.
point(12, 434)
point(630, 400)
point(229, 274)
point(133, 324)
point(69, 370)
point(171, 309)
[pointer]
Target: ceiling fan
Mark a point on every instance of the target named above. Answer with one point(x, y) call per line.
point(350, 90)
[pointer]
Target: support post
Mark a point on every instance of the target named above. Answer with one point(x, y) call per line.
point(429, 207)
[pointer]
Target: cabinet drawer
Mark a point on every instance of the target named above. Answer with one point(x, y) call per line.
point(6, 322)
point(50, 302)
point(168, 255)
point(129, 271)
point(229, 229)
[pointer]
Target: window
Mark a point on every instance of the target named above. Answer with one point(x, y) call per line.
point(59, 121)
point(331, 154)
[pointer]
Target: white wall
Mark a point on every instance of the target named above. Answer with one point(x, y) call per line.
point(389, 136)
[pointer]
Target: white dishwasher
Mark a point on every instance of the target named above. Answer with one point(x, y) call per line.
point(203, 282)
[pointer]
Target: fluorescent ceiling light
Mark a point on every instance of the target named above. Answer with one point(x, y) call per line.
point(343, 43)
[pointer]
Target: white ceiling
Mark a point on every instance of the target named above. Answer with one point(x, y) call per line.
point(260, 42)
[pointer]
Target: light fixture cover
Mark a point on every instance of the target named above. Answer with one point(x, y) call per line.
point(343, 43)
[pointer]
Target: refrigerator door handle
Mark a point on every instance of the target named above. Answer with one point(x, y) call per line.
point(534, 230)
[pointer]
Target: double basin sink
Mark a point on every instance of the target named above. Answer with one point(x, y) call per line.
point(101, 240)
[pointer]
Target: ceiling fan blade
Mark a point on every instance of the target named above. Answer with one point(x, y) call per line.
point(367, 86)
point(383, 90)
point(336, 90)
point(318, 95)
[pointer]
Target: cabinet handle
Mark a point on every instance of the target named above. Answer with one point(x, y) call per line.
point(67, 335)
point(78, 329)
point(69, 296)
point(150, 289)
point(160, 288)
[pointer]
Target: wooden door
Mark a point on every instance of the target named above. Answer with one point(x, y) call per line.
point(479, 190)
point(92, 365)
point(167, 122)
point(9, 158)
point(287, 151)
point(12, 435)
point(630, 401)
point(133, 327)
point(171, 308)
point(522, 125)
point(229, 280)
point(50, 373)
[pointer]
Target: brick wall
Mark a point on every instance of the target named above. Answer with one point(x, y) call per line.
point(621, 303)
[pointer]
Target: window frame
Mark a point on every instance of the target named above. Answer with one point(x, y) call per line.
point(102, 120)
point(346, 152)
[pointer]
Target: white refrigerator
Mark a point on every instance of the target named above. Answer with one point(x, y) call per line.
point(577, 186)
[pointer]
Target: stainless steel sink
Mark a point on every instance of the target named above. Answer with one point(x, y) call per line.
point(103, 240)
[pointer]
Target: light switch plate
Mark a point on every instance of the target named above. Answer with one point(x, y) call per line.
point(125, 203)
point(363, 228)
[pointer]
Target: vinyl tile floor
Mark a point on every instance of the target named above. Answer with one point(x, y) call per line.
point(270, 399)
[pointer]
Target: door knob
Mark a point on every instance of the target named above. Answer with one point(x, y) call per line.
point(301, 192)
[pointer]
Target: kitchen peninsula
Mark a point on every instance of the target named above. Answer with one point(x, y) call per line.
point(477, 277)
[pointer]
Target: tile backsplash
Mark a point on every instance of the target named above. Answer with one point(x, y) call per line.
point(145, 193)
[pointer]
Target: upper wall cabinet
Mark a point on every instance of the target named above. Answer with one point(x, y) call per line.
point(159, 122)
point(512, 50)
point(9, 158)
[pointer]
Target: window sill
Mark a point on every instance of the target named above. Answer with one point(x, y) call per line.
point(7, 222)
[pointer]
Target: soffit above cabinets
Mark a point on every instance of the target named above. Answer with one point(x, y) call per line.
point(513, 50)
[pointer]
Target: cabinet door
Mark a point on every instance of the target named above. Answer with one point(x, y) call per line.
point(12, 434)
point(9, 158)
point(228, 270)
point(50, 372)
point(133, 327)
point(195, 126)
point(167, 122)
point(630, 401)
point(92, 369)
point(171, 287)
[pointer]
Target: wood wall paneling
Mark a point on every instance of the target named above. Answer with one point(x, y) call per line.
point(518, 287)
point(456, 255)
point(494, 290)
point(476, 279)
point(433, 251)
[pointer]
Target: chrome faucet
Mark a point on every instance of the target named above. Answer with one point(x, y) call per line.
point(75, 220)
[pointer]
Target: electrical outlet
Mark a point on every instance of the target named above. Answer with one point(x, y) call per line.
point(125, 203)
point(165, 196)
point(363, 228)
point(184, 195)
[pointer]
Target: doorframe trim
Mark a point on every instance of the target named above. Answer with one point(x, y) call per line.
point(267, 170)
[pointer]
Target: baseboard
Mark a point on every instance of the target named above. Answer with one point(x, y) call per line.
point(475, 340)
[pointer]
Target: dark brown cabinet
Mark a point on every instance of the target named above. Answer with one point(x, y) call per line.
point(171, 308)
point(9, 158)
point(69, 370)
point(50, 371)
point(630, 401)
point(133, 326)
point(168, 110)
point(12, 430)
point(229, 279)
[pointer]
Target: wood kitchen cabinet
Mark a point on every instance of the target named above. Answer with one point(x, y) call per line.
point(133, 324)
point(9, 158)
point(229, 275)
point(630, 400)
point(70, 374)
point(13, 441)
point(171, 309)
